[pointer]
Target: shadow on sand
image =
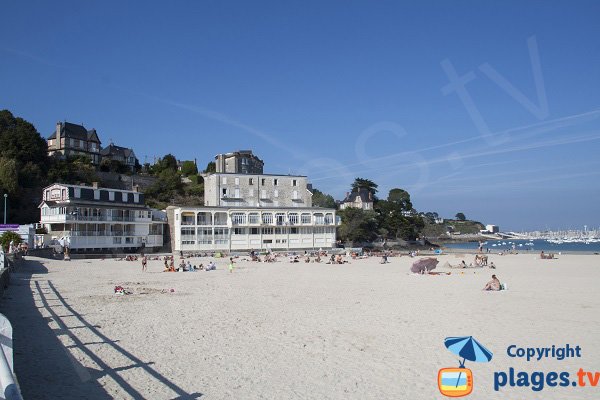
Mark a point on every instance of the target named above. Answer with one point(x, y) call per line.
point(45, 367)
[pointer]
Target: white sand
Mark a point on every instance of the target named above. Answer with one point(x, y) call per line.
point(293, 331)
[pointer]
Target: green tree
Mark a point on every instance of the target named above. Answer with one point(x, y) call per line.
point(361, 183)
point(73, 171)
point(320, 199)
point(168, 162)
point(8, 237)
point(20, 141)
point(9, 181)
point(189, 168)
point(211, 168)
point(460, 216)
point(431, 216)
point(358, 225)
point(400, 197)
point(167, 187)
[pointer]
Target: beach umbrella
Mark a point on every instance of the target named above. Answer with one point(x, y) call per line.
point(469, 349)
point(424, 264)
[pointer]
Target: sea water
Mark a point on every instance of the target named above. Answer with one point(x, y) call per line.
point(531, 246)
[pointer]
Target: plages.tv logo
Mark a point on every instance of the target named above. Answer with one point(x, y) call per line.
point(458, 382)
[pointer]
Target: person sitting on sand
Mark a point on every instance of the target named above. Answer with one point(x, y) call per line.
point(462, 264)
point(546, 256)
point(211, 266)
point(494, 284)
point(492, 266)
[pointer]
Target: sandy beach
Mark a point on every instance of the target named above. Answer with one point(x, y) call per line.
point(361, 330)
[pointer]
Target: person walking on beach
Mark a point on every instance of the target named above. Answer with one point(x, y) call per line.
point(144, 263)
point(231, 265)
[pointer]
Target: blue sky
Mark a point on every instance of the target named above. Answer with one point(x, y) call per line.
point(335, 90)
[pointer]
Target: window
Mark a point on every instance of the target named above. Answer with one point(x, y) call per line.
point(187, 232)
point(111, 196)
point(251, 193)
point(276, 193)
point(263, 181)
point(77, 193)
point(295, 195)
point(239, 231)
point(319, 219)
point(221, 235)
point(224, 180)
point(205, 236)
point(294, 182)
point(293, 231)
point(279, 231)
point(224, 192)
point(251, 181)
point(293, 218)
point(280, 218)
point(267, 218)
point(254, 231)
point(220, 218)
point(268, 241)
point(329, 219)
point(263, 194)
point(237, 193)
point(267, 231)
point(253, 218)
point(237, 181)
point(275, 182)
point(124, 197)
point(136, 197)
point(204, 218)
point(238, 218)
point(96, 194)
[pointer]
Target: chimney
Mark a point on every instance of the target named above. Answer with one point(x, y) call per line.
point(95, 185)
point(136, 188)
point(58, 129)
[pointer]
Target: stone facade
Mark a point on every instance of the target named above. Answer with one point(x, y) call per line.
point(246, 190)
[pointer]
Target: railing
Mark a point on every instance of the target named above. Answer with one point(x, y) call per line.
point(101, 233)
point(10, 390)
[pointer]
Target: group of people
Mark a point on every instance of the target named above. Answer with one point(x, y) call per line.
point(549, 256)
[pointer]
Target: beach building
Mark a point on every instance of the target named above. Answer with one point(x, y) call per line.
point(250, 210)
point(362, 198)
point(256, 190)
point(90, 218)
point(121, 154)
point(71, 140)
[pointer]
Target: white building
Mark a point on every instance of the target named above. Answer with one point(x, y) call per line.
point(88, 218)
point(245, 211)
point(251, 228)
